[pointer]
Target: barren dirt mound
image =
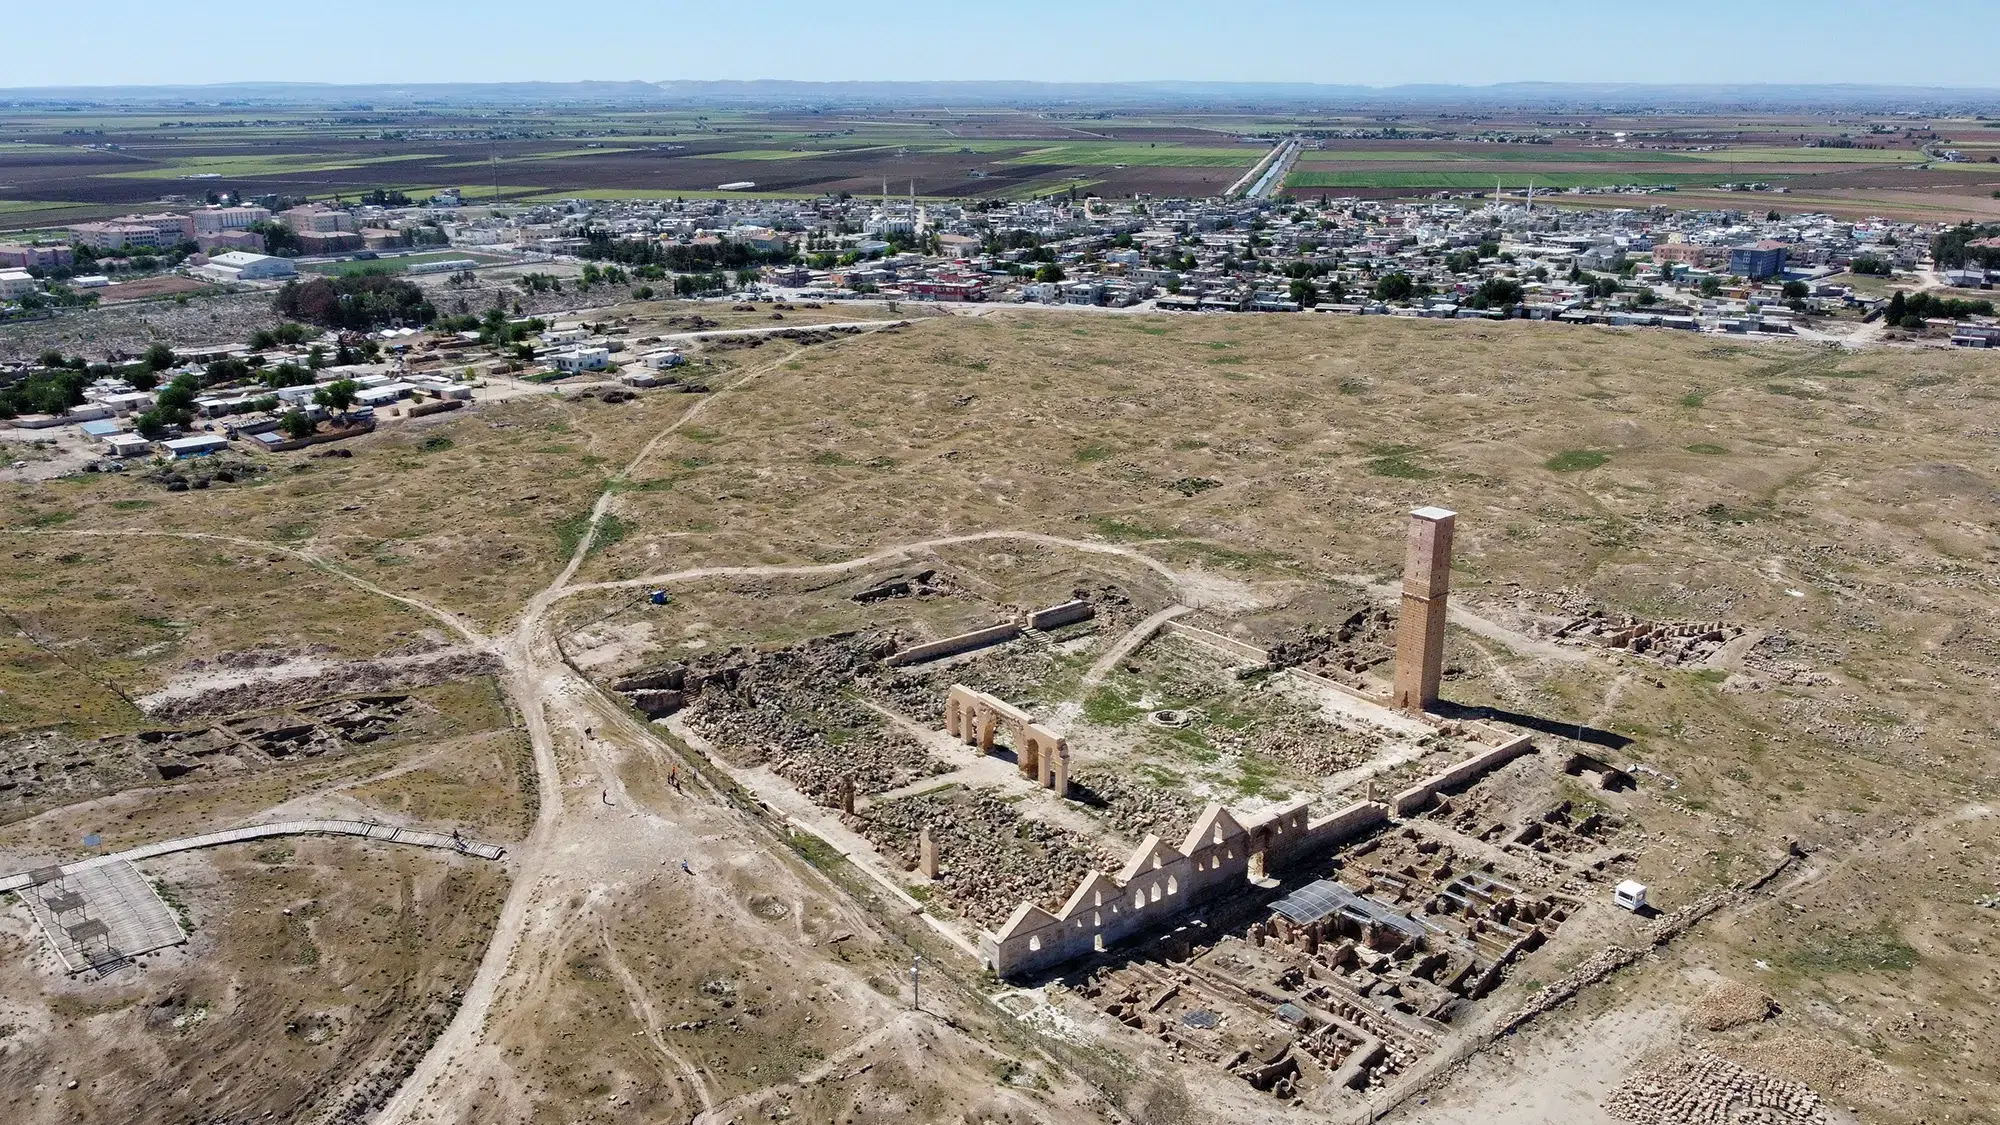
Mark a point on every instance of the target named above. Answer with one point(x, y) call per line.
point(1732, 1004)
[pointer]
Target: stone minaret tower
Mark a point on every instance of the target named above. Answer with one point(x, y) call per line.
point(1420, 629)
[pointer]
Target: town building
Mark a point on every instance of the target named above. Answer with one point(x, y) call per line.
point(1759, 260)
point(15, 284)
point(216, 220)
point(152, 232)
point(238, 265)
point(36, 255)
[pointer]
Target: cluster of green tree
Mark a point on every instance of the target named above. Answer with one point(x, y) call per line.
point(279, 239)
point(56, 297)
point(593, 276)
point(58, 383)
point(539, 283)
point(357, 302)
point(1910, 310)
point(690, 284)
point(49, 391)
point(287, 334)
point(494, 328)
point(726, 254)
point(1869, 266)
point(1953, 249)
point(1495, 293)
point(1399, 286)
point(381, 198)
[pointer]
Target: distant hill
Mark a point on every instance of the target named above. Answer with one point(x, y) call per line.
point(1552, 96)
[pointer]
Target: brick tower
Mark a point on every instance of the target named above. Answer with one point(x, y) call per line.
point(1420, 628)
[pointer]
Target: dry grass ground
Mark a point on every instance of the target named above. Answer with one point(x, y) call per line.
point(1840, 505)
point(316, 972)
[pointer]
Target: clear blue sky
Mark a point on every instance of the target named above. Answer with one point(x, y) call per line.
point(1910, 42)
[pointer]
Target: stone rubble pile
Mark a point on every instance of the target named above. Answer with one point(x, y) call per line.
point(1136, 807)
point(1702, 1089)
point(991, 858)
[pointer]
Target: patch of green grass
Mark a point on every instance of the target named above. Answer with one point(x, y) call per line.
point(1854, 951)
point(1707, 447)
point(829, 458)
point(656, 484)
point(1399, 465)
point(1113, 528)
point(1693, 400)
point(1790, 390)
point(1106, 708)
point(436, 443)
point(1189, 486)
point(610, 530)
point(570, 531)
point(132, 505)
point(1095, 451)
point(1576, 460)
point(50, 519)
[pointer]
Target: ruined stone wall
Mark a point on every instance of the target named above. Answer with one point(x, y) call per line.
point(1161, 882)
point(1056, 616)
point(952, 646)
point(1420, 795)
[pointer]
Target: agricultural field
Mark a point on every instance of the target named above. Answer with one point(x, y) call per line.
point(58, 168)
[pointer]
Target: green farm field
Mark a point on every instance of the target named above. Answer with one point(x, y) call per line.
point(62, 167)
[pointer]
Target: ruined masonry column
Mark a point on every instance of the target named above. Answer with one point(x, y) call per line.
point(927, 861)
point(1420, 628)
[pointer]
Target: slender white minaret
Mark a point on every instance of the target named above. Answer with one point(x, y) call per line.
point(1531, 196)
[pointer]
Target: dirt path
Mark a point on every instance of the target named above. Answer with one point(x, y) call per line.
point(1129, 643)
point(642, 1010)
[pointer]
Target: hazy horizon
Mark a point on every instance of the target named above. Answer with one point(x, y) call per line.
point(1702, 42)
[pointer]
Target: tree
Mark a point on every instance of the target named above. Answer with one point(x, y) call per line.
point(315, 357)
point(1898, 307)
point(279, 239)
point(1710, 286)
point(1304, 293)
point(337, 396)
point(1796, 290)
point(296, 425)
point(1496, 293)
point(152, 425)
point(1049, 272)
point(159, 357)
point(1395, 287)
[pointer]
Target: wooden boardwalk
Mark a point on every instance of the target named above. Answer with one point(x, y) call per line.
point(385, 832)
